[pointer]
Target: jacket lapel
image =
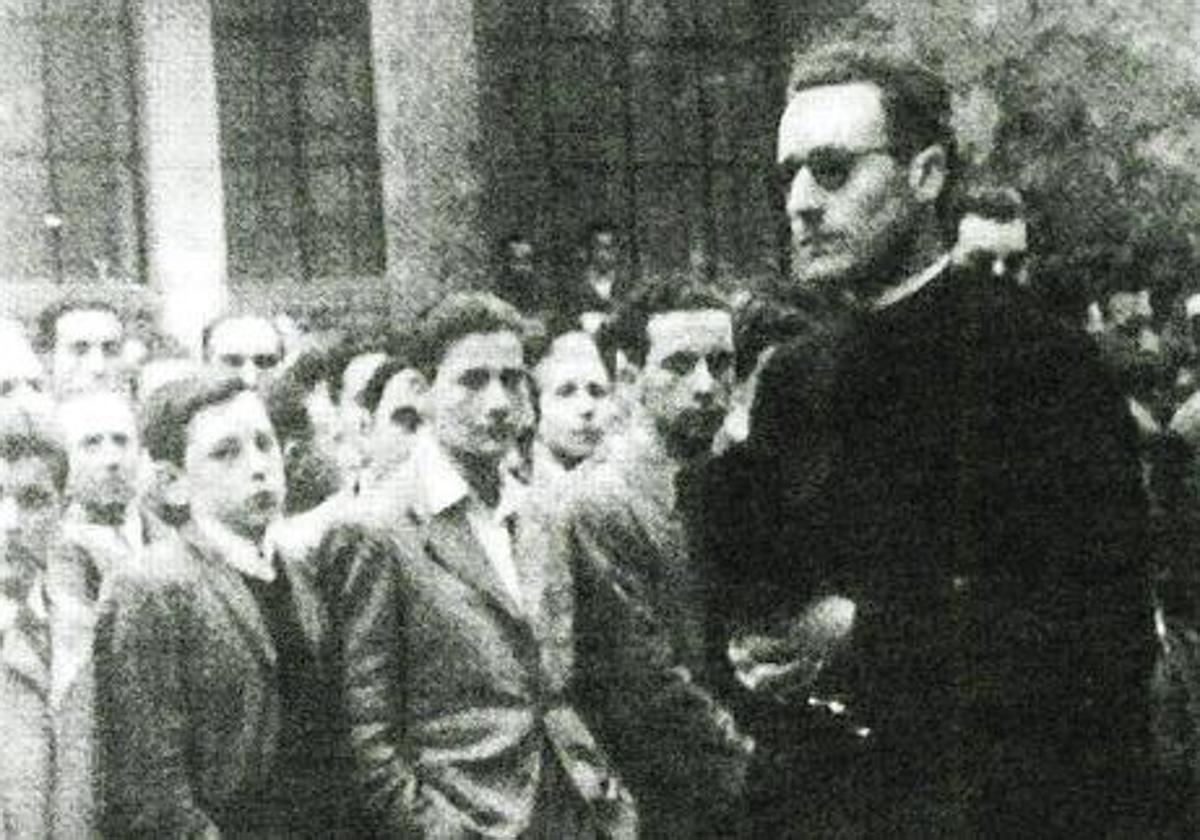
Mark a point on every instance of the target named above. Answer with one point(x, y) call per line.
point(450, 540)
point(19, 656)
point(231, 592)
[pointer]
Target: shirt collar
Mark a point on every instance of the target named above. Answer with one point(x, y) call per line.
point(909, 287)
point(241, 554)
point(442, 486)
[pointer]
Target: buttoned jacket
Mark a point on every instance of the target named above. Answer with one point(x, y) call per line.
point(640, 635)
point(188, 705)
point(47, 755)
point(458, 692)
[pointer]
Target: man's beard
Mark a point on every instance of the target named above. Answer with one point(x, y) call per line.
point(690, 436)
point(105, 512)
point(858, 287)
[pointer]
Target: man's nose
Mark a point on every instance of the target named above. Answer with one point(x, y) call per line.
point(1148, 341)
point(94, 361)
point(496, 398)
point(703, 383)
point(248, 373)
point(804, 198)
point(110, 455)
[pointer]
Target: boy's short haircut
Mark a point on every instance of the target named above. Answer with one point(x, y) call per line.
point(626, 332)
point(170, 408)
point(460, 315)
point(47, 322)
point(286, 400)
point(372, 393)
point(27, 432)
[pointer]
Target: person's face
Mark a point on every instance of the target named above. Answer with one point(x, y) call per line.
point(248, 348)
point(847, 198)
point(87, 352)
point(103, 451)
point(233, 469)
point(397, 420)
point(520, 258)
point(478, 398)
point(20, 371)
point(1131, 343)
point(1131, 320)
point(30, 511)
point(687, 379)
point(604, 250)
point(998, 248)
point(575, 398)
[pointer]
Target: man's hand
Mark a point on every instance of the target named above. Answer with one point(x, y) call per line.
point(790, 664)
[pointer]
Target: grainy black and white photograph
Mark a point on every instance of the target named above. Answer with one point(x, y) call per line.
point(600, 419)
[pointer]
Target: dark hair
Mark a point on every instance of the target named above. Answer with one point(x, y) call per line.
point(990, 201)
point(206, 333)
point(47, 322)
point(311, 367)
point(459, 315)
point(28, 433)
point(372, 392)
point(762, 323)
point(286, 404)
point(916, 100)
point(626, 331)
point(171, 407)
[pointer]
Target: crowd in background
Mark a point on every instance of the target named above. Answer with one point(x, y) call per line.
point(892, 549)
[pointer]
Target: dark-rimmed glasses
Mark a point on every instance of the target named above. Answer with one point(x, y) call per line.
point(830, 166)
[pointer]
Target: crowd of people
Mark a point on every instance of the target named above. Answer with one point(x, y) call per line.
point(888, 550)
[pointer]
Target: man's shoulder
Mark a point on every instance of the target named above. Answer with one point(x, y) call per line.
point(171, 568)
point(595, 488)
point(391, 504)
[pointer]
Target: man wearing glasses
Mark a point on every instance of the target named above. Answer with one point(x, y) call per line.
point(248, 347)
point(988, 519)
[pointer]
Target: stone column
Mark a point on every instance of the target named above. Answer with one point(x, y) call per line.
point(427, 106)
point(24, 182)
point(180, 141)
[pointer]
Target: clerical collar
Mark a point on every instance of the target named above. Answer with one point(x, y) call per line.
point(909, 287)
point(240, 553)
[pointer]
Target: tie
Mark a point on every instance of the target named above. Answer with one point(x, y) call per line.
point(26, 642)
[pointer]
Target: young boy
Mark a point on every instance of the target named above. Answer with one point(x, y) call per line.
point(211, 695)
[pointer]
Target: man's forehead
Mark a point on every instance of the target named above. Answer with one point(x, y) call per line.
point(572, 355)
point(250, 333)
point(403, 388)
point(87, 323)
point(1125, 306)
point(26, 471)
point(998, 237)
point(491, 349)
point(244, 413)
point(700, 329)
point(848, 115)
point(95, 413)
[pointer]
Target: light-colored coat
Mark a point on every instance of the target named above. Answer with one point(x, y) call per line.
point(47, 756)
point(457, 694)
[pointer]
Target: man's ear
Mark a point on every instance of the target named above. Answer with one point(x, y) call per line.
point(927, 173)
